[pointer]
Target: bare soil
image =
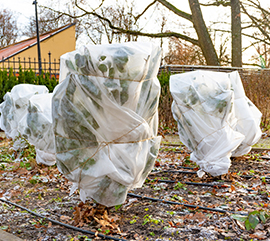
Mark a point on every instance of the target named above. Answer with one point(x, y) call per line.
point(45, 191)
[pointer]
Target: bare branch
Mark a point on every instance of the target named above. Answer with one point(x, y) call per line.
point(258, 5)
point(67, 14)
point(217, 3)
point(255, 21)
point(176, 10)
point(137, 33)
point(138, 16)
point(244, 34)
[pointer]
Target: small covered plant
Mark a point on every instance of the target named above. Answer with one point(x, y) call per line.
point(36, 127)
point(105, 118)
point(247, 114)
point(15, 105)
point(26, 113)
point(211, 110)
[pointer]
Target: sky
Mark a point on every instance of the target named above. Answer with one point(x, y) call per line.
point(23, 9)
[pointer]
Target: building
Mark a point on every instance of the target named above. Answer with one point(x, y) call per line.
point(53, 44)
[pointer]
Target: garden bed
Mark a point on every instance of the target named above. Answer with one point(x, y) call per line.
point(205, 211)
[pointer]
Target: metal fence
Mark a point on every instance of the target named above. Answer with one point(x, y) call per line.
point(51, 66)
point(243, 71)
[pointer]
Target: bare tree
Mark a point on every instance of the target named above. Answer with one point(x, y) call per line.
point(236, 29)
point(236, 34)
point(50, 20)
point(203, 41)
point(8, 28)
point(259, 17)
point(123, 16)
point(184, 53)
point(115, 27)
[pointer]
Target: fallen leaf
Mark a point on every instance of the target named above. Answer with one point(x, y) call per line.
point(65, 218)
point(232, 188)
point(77, 215)
point(199, 217)
point(229, 234)
point(259, 235)
point(241, 224)
point(172, 224)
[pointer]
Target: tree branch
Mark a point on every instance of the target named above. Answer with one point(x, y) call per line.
point(176, 10)
point(138, 16)
point(67, 14)
point(255, 21)
point(257, 5)
point(244, 34)
point(217, 3)
point(139, 33)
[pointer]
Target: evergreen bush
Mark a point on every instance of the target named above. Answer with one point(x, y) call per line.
point(8, 80)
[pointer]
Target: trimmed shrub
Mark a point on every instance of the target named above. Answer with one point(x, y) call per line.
point(8, 80)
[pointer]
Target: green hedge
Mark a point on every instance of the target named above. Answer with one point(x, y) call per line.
point(8, 80)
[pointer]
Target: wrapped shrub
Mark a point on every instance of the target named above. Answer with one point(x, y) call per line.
point(36, 127)
point(204, 109)
point(105, 118)
point(15, 105)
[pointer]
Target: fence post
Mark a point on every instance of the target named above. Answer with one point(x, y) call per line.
point(19, 61)
point(14, 62)
point(35, 67)
point(55, 68)
point(50, 70)
point(45, 66)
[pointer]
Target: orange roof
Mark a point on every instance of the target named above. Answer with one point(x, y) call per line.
point(13, 49)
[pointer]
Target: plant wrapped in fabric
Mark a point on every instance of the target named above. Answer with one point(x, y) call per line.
point(247, 114)
point(105, 118)
point(15, 105)
point(36, 127)
point(203, 107)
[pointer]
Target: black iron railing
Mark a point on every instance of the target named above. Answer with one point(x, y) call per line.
point(48, 66)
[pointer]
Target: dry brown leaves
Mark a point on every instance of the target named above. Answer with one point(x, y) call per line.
point(86, 214)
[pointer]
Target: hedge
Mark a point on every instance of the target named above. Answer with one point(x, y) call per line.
point(8, 80)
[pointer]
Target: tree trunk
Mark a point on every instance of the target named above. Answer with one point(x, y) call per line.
point(236, 34)
point(205, 41)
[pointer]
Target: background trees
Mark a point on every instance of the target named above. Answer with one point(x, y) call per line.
point(172, 23)
point(8, 28)
point(184, 53)
point(258, 28)
point(200, 37)
point(50, 20)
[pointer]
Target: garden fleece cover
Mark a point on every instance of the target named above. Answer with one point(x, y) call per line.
point(15, 105)
point(214, 118)
point(248, 116)
point(105, 118)
point(36, 126)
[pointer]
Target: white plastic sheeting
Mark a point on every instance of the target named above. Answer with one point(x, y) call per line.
point(248, 116)
point(105, 118)
point(26, 112)
point(214, 118)
point(15, 105)
point(36, 126)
